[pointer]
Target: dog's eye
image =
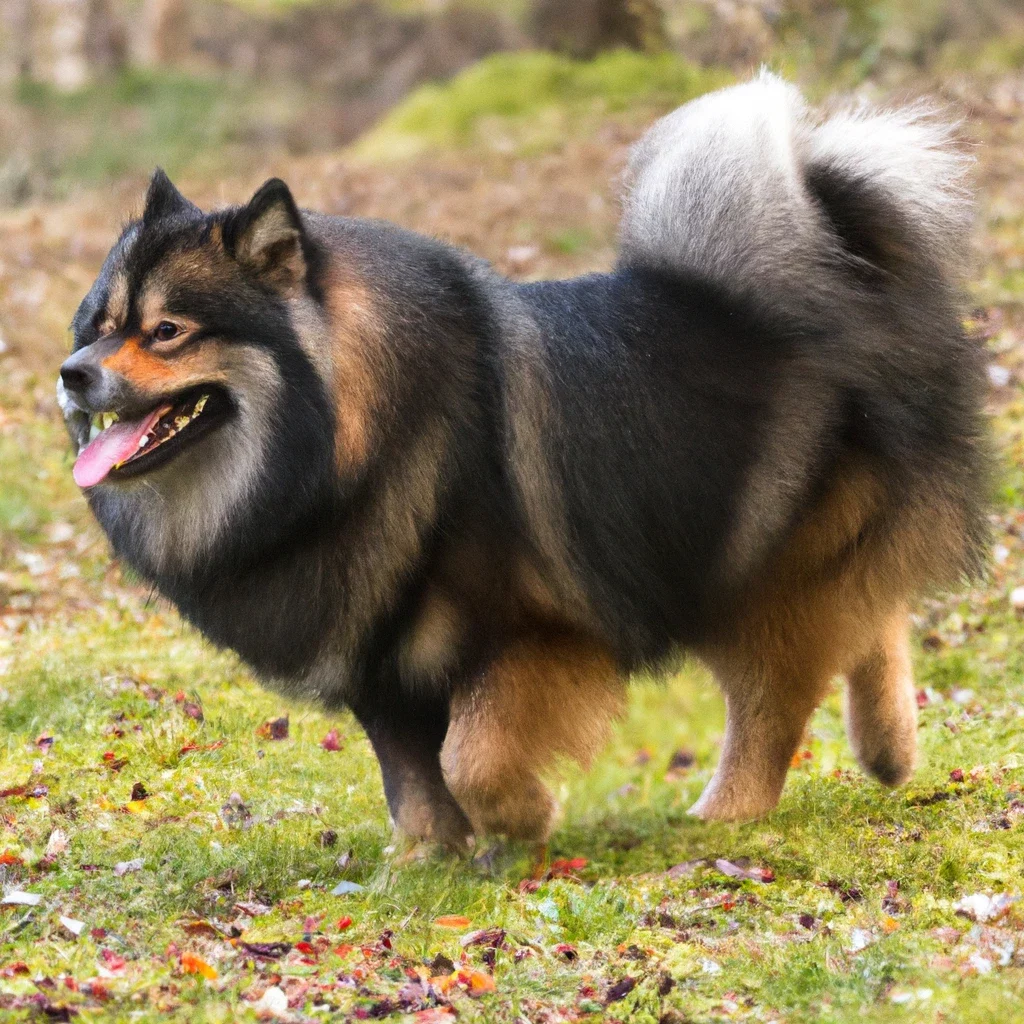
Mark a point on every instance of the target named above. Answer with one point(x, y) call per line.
point(165, 330)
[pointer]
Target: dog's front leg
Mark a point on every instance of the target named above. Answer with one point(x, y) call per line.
point(407, 743)
point(550, 695)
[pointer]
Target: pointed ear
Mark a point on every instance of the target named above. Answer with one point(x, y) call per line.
point(266, 237)
point(164, 200)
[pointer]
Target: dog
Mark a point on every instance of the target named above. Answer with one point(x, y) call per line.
point(469, 509)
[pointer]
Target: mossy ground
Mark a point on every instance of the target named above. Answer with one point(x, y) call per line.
point(125, 738)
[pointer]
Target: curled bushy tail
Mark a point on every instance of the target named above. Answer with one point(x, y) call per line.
point(748, 188)
point(846, 235)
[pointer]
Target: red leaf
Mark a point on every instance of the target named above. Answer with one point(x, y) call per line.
point(274, 729)
point(566, 867)
point(112, 961)
point(345, 922)
point(331, 741)
point(194, 711)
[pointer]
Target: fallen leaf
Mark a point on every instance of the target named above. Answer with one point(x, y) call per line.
point(252, 909)
point(435, 1015)
point(274, 729)
point(126, 867)
point(235, 814)
point(982, 908)
point(686, 868)
point(193, 964)
point(490, 937)
point(800, 757)
point(57, 844)
point(345, 887)
point(451, 921)
point(139, 792)
point(566, 952)
point(331, 741)
point(744, 870)
point(476, 983)
point(193, 711)
point(344, 922)
point(566, 867)
point(620, 989)
point(273, 1002)
point(269, 950)
point(679, 765)
point(111, 961)
point(17, 898)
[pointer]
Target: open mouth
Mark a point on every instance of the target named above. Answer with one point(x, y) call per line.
point(120, 448)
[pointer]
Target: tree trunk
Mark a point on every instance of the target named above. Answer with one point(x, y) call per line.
point(163, 33)
point(583, 28)
point(14, 39)
point(59, 35)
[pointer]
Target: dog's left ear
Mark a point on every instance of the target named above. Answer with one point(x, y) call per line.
point(267, 238)
point(164, 200)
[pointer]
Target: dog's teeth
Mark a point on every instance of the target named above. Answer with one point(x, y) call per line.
point(200, 405)
point(144, 440)
point(94, 430)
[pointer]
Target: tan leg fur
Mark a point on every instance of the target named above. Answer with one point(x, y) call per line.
point(549, 696)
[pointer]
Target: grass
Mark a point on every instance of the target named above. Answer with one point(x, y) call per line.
point(535, 98)
point(124, 738)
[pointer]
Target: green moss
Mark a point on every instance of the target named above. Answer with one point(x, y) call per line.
point(508, 90)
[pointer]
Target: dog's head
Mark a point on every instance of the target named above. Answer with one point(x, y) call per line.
point(193, 403)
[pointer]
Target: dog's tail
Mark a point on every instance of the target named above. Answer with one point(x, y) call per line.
point(747, 189)
point(846, 235)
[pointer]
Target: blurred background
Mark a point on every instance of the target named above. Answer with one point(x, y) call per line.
point(502, 125)
point(100, 89)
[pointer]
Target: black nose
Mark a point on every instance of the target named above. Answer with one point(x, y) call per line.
point(79, 378)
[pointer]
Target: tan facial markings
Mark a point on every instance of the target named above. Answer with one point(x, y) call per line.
point(166, 372)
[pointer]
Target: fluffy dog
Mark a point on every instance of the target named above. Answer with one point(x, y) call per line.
point(469, 509)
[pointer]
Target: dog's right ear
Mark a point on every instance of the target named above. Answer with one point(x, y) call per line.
point(267, 238)
point(164, 200)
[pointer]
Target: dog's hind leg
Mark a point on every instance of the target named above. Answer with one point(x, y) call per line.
point(407, 745)
point(881, 706)
point(543, 697)
point(766, 714)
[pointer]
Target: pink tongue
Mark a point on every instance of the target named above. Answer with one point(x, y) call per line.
point(116, 444)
